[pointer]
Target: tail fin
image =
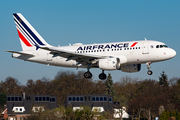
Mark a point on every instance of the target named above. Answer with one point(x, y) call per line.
point(29, 37)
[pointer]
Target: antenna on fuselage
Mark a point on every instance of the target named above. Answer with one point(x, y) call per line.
point(145, 39)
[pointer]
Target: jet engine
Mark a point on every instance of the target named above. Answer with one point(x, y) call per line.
point(109, 64)
point(131, 68)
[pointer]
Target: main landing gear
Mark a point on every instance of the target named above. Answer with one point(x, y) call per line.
point(102, 76)
point(88, 74)
point(148, 66)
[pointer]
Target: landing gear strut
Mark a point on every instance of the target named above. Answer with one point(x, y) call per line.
point(88, 74)
point(102, 76)
point(148, 66)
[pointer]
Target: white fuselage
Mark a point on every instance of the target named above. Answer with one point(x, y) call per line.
point(132, 52)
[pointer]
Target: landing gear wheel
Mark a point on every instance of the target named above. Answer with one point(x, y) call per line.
point(88, 74)
point(102, 76)
point(149, 72)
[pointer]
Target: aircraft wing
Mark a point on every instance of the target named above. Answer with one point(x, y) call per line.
point(21, 52)
point(79, 57)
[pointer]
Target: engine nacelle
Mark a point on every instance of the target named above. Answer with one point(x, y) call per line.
point(109, 64)
point(131, 68)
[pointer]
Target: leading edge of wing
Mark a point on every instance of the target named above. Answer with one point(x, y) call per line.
point(54, 49)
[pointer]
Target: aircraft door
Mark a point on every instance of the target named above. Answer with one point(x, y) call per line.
point(145, 49)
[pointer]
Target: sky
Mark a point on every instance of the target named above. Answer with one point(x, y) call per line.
point(61, 22)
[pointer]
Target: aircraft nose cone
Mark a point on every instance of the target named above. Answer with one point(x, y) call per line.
point(172, 53)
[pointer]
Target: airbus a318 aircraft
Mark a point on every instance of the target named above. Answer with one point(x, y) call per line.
point(124, 56)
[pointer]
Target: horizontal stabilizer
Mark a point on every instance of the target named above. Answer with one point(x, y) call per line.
point(21, 52)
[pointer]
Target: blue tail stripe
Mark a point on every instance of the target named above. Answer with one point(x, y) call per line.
point(25, 33)
point(28, 29)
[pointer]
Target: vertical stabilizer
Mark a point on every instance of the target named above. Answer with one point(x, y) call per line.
point(29, 37)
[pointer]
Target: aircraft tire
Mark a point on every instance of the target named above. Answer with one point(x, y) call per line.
point(149, 72)
point(88, 74)
point(102, 76)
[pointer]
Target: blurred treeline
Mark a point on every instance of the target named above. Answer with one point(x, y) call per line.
point(147, 96)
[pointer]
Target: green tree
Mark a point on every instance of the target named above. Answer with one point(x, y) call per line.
point(163, 80)
point(3, 98)
point(109, 87)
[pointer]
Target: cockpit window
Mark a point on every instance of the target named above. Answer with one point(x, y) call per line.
point(161, 46)
point(165, 46)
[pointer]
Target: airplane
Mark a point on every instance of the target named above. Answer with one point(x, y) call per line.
point(125, 56)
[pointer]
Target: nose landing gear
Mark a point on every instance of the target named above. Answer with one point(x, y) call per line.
point(148, 66)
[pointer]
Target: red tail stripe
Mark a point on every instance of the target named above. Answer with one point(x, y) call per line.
point(24, 39)
point(134, 44)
